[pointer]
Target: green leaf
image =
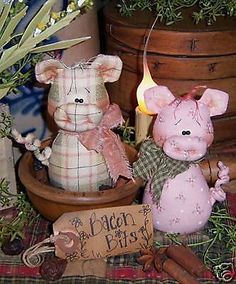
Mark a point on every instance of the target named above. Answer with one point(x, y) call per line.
point(4, 14)
point(45, 19)
point(3, 92)
point(1, 7)
point(45, 10)
point(32, 42)
point(59, 45)
point(6, 36)
point(11, 60)
point(7, 53)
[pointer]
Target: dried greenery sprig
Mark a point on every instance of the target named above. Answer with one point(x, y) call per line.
point(127, 133)
point(12, 228)
point(169, 12)
point(223, 229)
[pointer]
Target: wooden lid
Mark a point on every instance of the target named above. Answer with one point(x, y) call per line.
point(181, 38)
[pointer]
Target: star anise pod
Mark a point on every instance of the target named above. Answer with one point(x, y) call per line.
point(147, 258)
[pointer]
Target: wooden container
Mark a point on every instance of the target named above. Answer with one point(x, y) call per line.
point(52, 202)
point(7, 170)
point(179, 56)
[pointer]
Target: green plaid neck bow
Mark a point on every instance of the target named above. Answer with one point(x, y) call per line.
point(156, 167)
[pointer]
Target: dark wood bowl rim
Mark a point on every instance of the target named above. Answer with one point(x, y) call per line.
point(58, 195)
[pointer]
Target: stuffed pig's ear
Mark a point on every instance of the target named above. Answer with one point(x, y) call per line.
point(157, 97)
point(47, 70)
point(110, 67)
point(216, 100)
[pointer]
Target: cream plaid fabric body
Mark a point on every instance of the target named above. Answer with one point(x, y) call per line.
point(77, 101)
point(74, 168)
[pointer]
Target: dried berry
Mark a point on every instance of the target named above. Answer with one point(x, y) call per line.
point(147, 258)
point(53, 268)
point(104, 187)
point(42, 176)
point(13, 247)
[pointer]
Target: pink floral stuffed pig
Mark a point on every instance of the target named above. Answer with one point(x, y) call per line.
point(176, 188)
point(85, 155)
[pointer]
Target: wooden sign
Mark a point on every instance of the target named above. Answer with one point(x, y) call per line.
point(103, 232)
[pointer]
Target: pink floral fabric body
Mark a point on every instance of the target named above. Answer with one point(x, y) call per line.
point(184, 205)
point(184, 131)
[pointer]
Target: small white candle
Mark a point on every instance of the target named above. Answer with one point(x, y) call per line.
point(142, 125)
point(143, 117)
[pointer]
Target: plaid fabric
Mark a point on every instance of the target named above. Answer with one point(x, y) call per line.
point(94, 280)
point(85, 78)
point(74, 168)
point(120, 269)
point(156, 167)
point(77, 101)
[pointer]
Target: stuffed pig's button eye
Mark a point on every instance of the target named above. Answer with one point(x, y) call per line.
point(79, 100)
point(187, 132)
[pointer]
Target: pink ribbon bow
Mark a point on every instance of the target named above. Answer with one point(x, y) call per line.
point(103, 140)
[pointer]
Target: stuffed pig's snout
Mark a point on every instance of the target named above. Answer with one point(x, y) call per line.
point(78, 117)
point(185, 147)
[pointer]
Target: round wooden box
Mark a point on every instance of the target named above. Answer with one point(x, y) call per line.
point(179, 56)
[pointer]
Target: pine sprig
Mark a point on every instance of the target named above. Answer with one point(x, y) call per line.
point(126, 133)
point(25, 214)
point(169, 12)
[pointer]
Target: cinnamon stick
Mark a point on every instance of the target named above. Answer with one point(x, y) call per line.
point(185, 257)
point(162, 262)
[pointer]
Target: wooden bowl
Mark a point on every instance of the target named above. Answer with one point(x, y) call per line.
point(51, 202)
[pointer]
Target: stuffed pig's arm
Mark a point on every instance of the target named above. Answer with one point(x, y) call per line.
point(32, 144)
point(217, 192)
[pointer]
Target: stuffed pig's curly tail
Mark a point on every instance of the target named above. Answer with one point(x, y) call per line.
point(32, 144)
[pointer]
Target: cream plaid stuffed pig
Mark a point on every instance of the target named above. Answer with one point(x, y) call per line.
point(86, 155)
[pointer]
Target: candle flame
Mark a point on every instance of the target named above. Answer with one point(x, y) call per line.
point(146, 83)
